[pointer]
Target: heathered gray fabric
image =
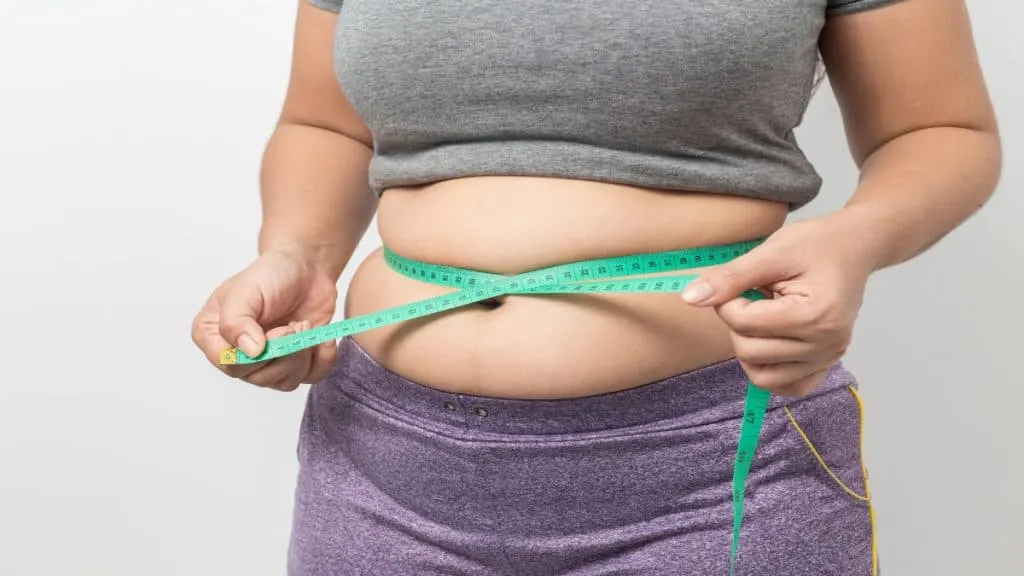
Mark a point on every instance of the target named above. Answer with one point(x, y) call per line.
point(700, 96)
point(690, 95)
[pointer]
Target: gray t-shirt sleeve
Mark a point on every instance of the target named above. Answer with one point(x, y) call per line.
point(837, 7)
point(332, 5)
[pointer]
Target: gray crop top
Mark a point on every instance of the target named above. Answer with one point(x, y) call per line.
point(698, 95)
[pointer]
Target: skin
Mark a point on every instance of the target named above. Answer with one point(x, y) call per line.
point(920, 127)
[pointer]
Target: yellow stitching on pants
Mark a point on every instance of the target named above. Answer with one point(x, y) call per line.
point(864, 472)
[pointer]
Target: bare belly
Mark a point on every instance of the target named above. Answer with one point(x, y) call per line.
point(546, 346)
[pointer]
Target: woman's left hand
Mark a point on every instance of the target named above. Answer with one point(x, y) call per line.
point(816, 271)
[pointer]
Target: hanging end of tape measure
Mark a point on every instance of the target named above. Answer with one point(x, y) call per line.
point(229, 356)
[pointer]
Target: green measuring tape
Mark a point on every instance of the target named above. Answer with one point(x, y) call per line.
point(584, 277)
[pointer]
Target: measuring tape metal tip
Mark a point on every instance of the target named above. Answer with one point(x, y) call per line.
point(229, 357)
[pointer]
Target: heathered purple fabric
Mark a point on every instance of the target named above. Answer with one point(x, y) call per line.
point(400, 479)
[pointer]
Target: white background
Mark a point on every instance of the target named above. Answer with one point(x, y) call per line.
point(130, 138)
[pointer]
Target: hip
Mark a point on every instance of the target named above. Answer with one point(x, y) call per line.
point(630, 480)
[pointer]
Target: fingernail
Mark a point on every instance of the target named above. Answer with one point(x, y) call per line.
point(697, 292)
point(248, 345)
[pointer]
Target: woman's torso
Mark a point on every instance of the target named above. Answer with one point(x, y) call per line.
point(662, 96)
point(546, 346)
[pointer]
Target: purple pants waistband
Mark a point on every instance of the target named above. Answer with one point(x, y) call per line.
point(708, 394)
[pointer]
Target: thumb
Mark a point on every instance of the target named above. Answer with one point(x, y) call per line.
point(239, 312)
point(725, 282)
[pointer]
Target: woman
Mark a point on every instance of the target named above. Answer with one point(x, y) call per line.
point(595, 433)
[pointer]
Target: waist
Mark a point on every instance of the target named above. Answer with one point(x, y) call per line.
point(553, 346)
point(509, 225)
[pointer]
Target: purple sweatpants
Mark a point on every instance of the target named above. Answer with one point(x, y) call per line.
point(400, 479)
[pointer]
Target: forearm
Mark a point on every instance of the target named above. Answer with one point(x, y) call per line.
point(315, 195)
point(917, 188)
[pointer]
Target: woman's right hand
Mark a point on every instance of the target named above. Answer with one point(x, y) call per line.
point(281, 292)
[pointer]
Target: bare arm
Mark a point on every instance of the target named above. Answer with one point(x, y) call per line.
point(314, 188)
point(921, 128)
point(918, 120)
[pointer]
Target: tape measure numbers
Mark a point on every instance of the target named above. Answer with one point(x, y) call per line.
point(583, 277)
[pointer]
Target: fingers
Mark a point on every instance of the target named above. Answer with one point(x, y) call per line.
point(788, 315)
point(284, 374)
point(762, 266)
point(786, 366)
point(761, 351)
point(308, 366)
point(287, 372)
point(787, 379)
point(324, 357)
point(238, 320)
point(206, 335)
point(805, 385)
